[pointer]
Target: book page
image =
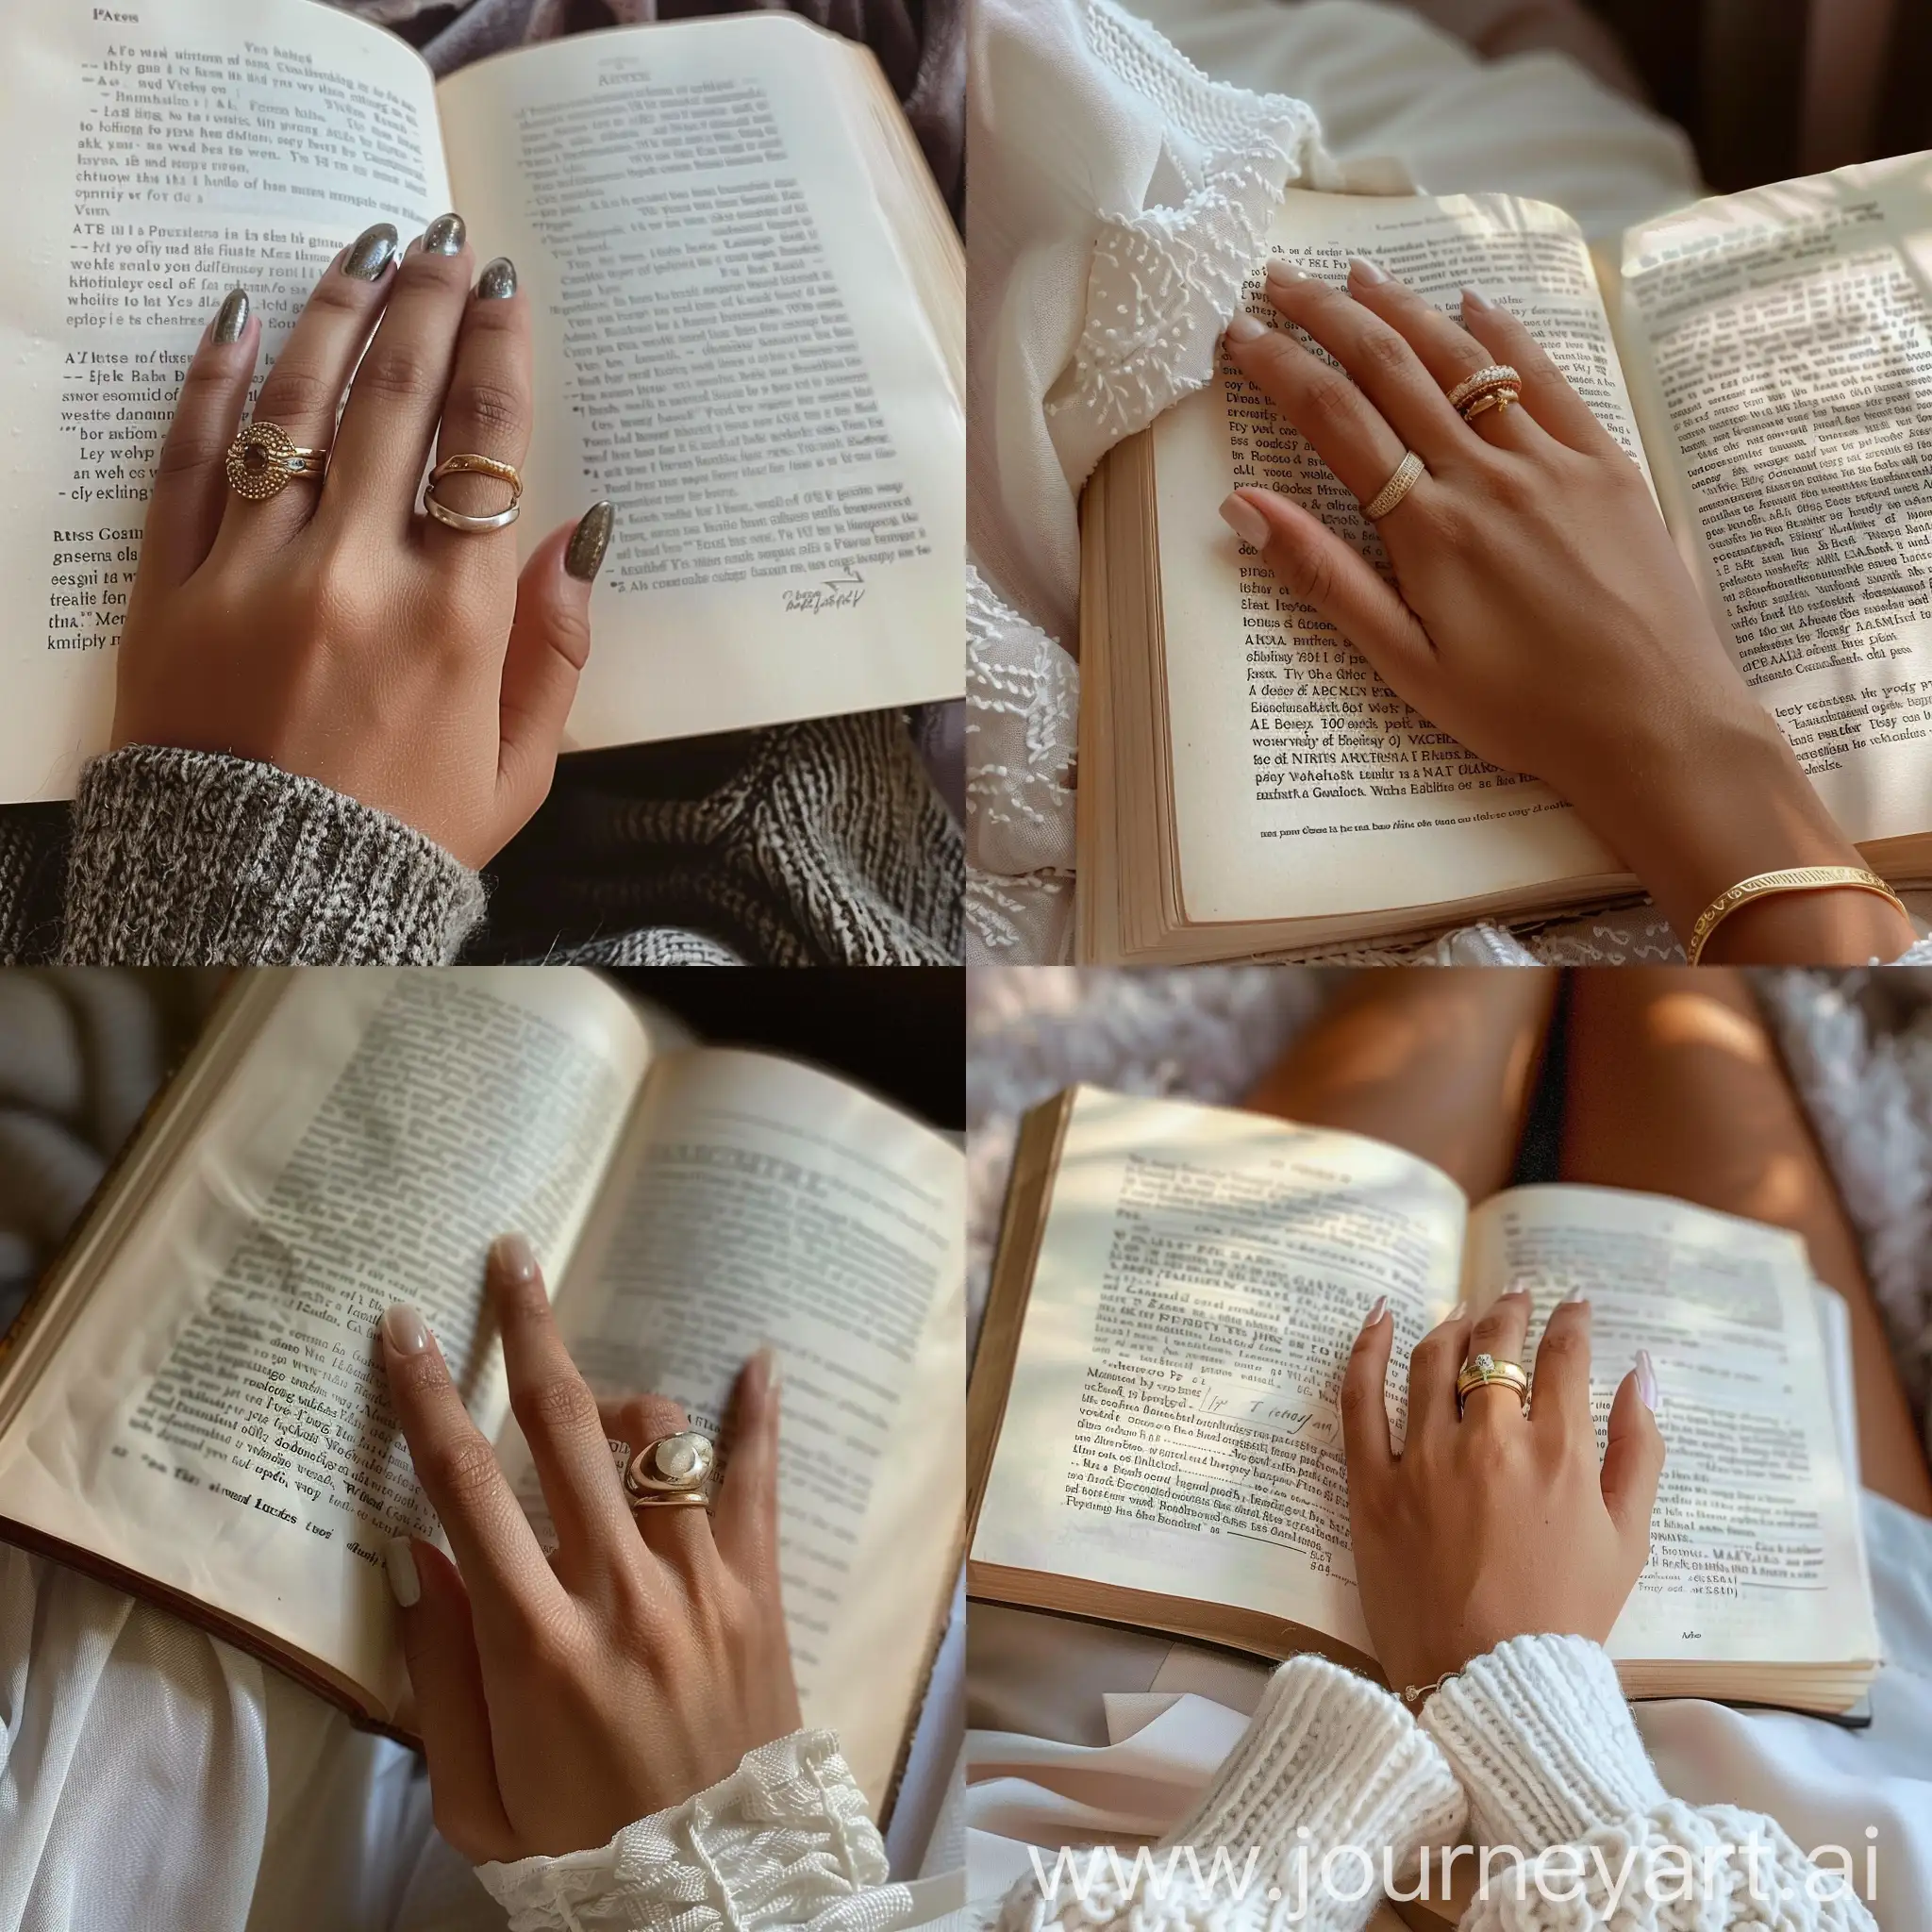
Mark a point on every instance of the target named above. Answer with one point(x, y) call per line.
point(757, 1201)
point(731, 348)
point(1755, 1551)
point(1779, 345)
point(1300, 780)
point(217, 1417)
point(158, 152)
point(1172, 1424)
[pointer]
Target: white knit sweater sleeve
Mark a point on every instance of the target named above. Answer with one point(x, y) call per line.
point(784, 1840)
point(1329, 1764)
point(1541, 1736)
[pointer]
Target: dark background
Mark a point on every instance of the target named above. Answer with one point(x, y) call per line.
point(900, 1030)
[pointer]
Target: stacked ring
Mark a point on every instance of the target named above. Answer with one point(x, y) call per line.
point(674, 1472)
point(263, 460)
point(464, 464)
point(1494, 387)
point(1485, 1369)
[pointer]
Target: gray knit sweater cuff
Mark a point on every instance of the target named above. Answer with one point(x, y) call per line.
point(195, 859)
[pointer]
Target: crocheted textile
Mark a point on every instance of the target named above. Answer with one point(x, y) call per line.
point(785, 1839)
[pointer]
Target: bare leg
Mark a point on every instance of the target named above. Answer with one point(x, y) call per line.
point(1675, 1087)
point(1441, 1063)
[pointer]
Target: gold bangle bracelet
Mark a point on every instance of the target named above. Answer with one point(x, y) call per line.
point(1799, 878)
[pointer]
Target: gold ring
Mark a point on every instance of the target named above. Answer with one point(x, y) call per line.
point(674, 1471)
point(1406, 473)
point(464, 464)
point(1498, 398)
point(263, 457)
point(1492, 375)
point(1485, 1369)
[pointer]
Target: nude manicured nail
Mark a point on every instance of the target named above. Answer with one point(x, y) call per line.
point(1281, 270)
point(1575, 1296)
point(1646, 1380)
point(515, 1258)
point(767, 1361)
point(1376, 1313)
point(1242, 328)
point(1246, 521)
point(584, 559)
point(372, 252)
point(1475, 298)
point(498, 282)
point(400, 1562)
point(1363, 270)
point(1458, 1312)
point(404, 1328)
point(444, 235)
point(232, 318)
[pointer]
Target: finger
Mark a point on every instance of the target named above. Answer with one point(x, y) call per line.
point(184, 508)
point(1502, 1332)
point(388, 423)
point(558, 1414)
point(1381, 364)
point(1546, 391)
point(679, 1533)
point(1559, 1391)
point(549, 646)
point(304, 387)
point(452, 1710)
point(746, 1522)
point(1365, 1442)
point(503, 1570)
point(1339, 584)
point(1445, 349)
point(1432, 1367)
point(1342, 425)
point(1634, 1454)
point(485, 413)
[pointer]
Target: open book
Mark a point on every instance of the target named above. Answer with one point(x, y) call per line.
point(1248, 785)
point(746, 296)
point(1152, 1430)
point(193, 1407)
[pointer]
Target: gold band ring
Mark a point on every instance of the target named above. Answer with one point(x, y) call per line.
point(464, 464)
point(263, 457)
point(674, 1471)
point(1482, 1370)
point(1407, 472)
point(1492, 375)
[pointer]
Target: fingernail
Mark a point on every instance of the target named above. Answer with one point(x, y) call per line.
point(1575, 1296)
point(767, 1361)
point(1514, 1294)
point(498, 282)
point(1376, 1313)
point(404, 1327)
point(444, 235)
point(515, 1258)
point(1242, 328)
point(1475, 298)
point(1646, 1380)
point(1457, 1313)
point(400, 1562)
point(1281, 270)
point(232, 318)
point(1363, 270)
point(372, 252)
point(588, 544)
point(1246, 521)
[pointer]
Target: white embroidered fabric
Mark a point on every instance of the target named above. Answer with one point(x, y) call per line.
point(785, 1839)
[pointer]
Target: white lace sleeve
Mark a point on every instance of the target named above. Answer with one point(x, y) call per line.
point(1540, 1734)
point(784, 1840)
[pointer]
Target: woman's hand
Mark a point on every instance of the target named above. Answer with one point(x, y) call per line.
point(1498, 1525)
point(331, 629)
point(1543, 618)
point(560, 1700)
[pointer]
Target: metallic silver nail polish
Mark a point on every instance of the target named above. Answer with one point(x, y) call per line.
point(588, 544)
point(232, 318)
point(444, 235)
point(498, 281)
point(372, 252)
